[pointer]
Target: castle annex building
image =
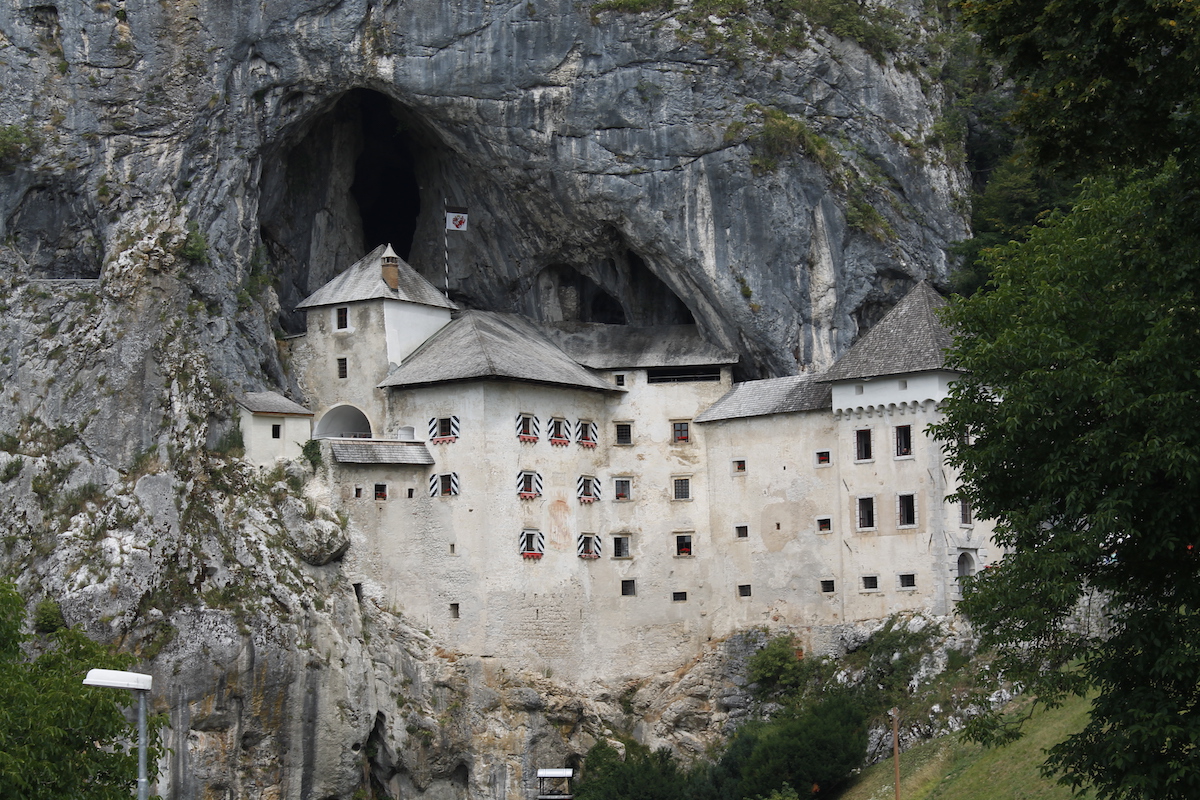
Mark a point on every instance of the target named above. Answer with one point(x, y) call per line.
point(600, 500)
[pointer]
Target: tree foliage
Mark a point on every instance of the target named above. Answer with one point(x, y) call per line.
point(1075, 428)
point(58, 738)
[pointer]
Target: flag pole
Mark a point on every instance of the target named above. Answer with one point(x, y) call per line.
point(446, 248)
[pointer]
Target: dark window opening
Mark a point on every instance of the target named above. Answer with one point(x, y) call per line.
point(870, 582)
point(904, 440)
point(454, 611)
point(620, 380)
point(679, 432)
point(823, 457)
point(683, 374)
point(683, 545)
point(683, 489)
point(866, 512)
point(624, 433)
point(824, 523)
point(908, 509)
point(276, 431)
point(679, 597)
point(743, 590)
point(628, 588)
point(741, 531)
point(739, 466)
point(827, 586)
point(965, 515)
point(620, 547)
point(343, 318)
point(862, 445)
point(358, 491)
point(908, 580)
point(446, 484)
point(622, 488)
point(381, 491)
point(410, 494)
point(343, 368)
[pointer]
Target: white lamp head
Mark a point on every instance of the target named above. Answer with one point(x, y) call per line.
point(118, 679)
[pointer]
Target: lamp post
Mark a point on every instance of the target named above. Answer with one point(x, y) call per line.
point(140, 683)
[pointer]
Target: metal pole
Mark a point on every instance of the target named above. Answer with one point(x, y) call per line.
point(143, 775)
point(896, 746)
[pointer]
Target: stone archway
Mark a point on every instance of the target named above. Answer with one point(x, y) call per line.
point(966, 565)
point(343, 421)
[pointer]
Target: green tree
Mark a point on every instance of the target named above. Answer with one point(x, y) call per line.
point(1074, 427)
point(58, 738)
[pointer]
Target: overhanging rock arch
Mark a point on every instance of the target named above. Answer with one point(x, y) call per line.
point(343, 421)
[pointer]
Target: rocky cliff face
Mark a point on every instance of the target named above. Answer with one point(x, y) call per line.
point(175, 176)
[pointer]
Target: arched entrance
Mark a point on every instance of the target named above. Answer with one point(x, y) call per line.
point(343, 421)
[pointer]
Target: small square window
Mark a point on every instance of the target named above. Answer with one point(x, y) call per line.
point(680, 432)
point(620, 380)
point(381, 491)
point(824, 458)
point(858, 388)
point(454, 611)
point(903, 384)
point(903, 441)
point(358, 492)
point(623, 489)
point(908, 511)
point(866, 512)
point(743, 590)
point(870, 582)
point(343, 318)
point(908, 580)
point(824, 524)
point(445, 427)
point(679, 597)
point(739, 466)
point(621, 547)
point(628, 588)
point(276, 431)
point(682, 488)
point(741, 531)
point(683, 545)
point(624, 433)
point(862, 445)
point(827, 586)
point(343, 368)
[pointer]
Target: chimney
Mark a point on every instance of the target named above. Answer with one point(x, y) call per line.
point(391, 268)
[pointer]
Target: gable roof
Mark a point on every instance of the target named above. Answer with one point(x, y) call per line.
point(909, 338)
point(271, 403)
point(361, 451)
point(770, 396)
point(364, 281)
point(490, 345)
point(625, 347)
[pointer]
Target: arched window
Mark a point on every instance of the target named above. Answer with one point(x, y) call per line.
point(343, 421)
point(966, 565)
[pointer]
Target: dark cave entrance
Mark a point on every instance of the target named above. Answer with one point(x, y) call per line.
point(346, 183)
point(619, 290)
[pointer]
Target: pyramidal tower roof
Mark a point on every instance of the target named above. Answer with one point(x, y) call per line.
point(909, 338)
point(364, 281)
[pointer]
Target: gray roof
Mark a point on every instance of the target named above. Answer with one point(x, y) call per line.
point(271, 403)
point(364, 281)
point(626, 347)
point(373, 451)
point(489, 345)
point(910, 338)
point(770, 396)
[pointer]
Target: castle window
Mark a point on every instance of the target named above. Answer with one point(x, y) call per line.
point(532, 544)
point(903, 441)
point(623, 489)
point(824, 524)
point(620, 380)
point(585, 433)
point(527, 427)
point(683, 374)
point(558, 432)
point(529, 485)
point(276, 431)
point(443, 430)
point(907, 516)
point(587, 489)
point(342, 368)
point(738, 467)
point(624, 432)
point(621, 547)
point(678, 597)
point(358, 492)
point(381, 491)
point(824, 458)
point(862, 445)
point(628, 588)
point(743, 590)
point(827, 586)
point(443, 485)
point(454, 611)
point(908, 580)
point(682, 488)
point(870, 583)
point(965, 515)
point(741, 531)
point(680, 433)
point(903, 384)
point(343, 318)
point(683, 544)
point(588, 546)
point(866, 513)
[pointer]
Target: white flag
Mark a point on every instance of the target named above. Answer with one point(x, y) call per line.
point(456, 218)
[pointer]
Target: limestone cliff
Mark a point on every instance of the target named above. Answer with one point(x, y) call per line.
point(176, 175)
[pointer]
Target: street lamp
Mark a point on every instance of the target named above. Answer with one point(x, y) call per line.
point(140, 683)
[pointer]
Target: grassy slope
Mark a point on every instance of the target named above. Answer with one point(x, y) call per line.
point(950, 769)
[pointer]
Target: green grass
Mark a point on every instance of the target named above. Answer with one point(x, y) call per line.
point(952, 769)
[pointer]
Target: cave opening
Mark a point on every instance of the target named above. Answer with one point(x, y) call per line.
point(385, 179)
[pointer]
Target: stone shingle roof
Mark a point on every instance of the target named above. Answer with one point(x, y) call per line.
point(482, 345)
point(369, 451)
point(364, 281)
point(271, 403)
point(770, 396)
point(910, 338)
point(626, 347)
